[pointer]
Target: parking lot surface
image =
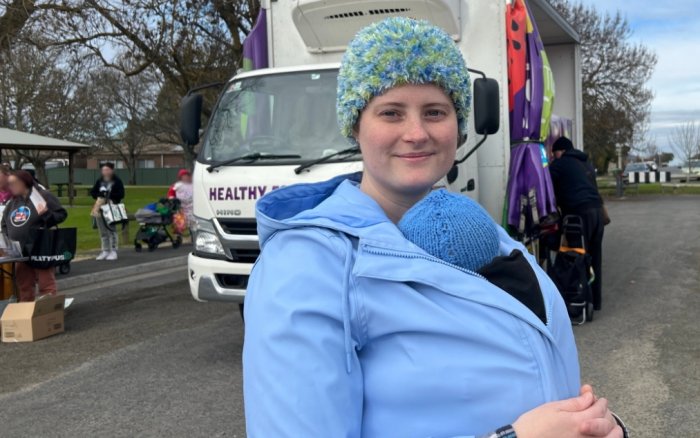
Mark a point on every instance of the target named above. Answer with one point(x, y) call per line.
point(144, 359)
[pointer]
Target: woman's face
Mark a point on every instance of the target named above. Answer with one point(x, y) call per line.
point(16, 186)
point(408, 137)
point(107, 173)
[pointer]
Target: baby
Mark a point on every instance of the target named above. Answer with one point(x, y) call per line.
point(457, 230)
point(452, 228)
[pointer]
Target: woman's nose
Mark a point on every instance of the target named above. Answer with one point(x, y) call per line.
point(415, 131)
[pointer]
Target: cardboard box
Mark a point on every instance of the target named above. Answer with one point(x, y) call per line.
point(27, 322)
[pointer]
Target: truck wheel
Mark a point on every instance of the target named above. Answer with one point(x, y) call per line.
point(240, 309)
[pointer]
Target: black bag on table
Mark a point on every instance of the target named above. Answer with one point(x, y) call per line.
point(52, 247)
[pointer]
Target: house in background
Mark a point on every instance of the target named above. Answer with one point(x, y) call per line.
point(155, 156)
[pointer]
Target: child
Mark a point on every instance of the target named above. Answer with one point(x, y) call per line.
point(182, 190)
point(457, 230)
point(453, 228)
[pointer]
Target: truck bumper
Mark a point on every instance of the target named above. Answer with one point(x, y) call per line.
point(217, 280)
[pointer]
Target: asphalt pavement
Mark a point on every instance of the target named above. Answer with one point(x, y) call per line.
point(142, 358)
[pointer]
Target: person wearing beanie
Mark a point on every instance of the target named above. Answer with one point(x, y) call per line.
point(354, 331)
point(30, 209)
point(182, 191)
point(576, 192)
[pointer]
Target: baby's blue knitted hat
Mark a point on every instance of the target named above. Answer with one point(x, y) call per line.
point(453, 228)
point(399, 51)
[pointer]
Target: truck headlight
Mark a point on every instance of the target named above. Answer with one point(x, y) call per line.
point(209, 243)
point(206, 240)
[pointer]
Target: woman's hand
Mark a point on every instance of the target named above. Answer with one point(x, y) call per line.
point(578, 417)
point(591, 427)
point(41, 208)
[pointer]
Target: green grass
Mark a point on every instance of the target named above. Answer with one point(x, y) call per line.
point(607, 188)
point(79, 214)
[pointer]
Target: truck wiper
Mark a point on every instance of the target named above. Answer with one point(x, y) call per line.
point(349, 151)
point(255, 156)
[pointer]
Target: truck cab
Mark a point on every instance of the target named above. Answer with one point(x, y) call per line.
point(276, 126)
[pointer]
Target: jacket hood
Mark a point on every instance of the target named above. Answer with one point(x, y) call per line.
point(579, 155)
point(350, 211)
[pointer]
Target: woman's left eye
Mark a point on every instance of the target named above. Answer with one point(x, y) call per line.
point(434, 113)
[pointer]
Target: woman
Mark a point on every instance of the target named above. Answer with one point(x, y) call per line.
point(5, 194)
point(182, 191)
point(108, 188)
point(351, 330)
point(24, 214)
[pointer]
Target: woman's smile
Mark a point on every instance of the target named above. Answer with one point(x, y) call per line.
point(415, 157)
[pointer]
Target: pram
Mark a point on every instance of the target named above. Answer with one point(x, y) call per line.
point(154, 221)
point(571, 270)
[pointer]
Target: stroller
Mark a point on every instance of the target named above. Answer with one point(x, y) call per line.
point(153, 221)
point(571, 271)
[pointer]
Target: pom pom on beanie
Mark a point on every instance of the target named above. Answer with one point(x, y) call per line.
point(453, 228)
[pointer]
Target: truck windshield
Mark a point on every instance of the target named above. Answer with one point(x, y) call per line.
point(289, 114)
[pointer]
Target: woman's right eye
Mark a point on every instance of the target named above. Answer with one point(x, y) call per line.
point(389, 113)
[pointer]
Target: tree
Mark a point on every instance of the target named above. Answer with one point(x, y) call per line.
point(186, 43)
point(685, 140)
point(615, 73)
point(130, 106)
point(43, 92)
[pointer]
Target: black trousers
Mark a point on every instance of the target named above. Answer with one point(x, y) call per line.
point(593, 228)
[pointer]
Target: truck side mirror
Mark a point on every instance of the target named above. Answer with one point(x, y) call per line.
point(487, 112)
point(190, 118)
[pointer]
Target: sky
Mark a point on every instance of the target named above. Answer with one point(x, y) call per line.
point(672, 29)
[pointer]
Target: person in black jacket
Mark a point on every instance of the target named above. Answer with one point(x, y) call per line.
point(108, 188)
point(576, 190)
point(29, 209)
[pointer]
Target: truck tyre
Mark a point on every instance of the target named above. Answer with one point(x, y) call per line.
point(240, 309)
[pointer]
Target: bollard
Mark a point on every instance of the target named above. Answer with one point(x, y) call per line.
point(619, 186)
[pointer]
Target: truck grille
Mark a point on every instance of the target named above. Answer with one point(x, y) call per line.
point(246, 227)
point(245, 255)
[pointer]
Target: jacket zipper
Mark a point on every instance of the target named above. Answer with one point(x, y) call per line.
point(412, 255)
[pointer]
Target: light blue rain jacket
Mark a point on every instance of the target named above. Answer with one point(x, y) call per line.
point(353, 331)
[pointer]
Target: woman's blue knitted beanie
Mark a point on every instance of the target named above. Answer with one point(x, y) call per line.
point(453, 228)
point(399, 51)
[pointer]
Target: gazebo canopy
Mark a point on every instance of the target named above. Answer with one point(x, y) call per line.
point(12, 139)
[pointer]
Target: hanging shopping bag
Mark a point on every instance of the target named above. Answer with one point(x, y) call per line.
point(179, 222)
point(114, 214)
point(52, 247)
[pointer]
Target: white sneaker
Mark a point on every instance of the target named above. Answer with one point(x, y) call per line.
point(103, 255)
point(112, 255)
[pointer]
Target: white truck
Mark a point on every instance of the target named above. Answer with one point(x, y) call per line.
point(270, 126)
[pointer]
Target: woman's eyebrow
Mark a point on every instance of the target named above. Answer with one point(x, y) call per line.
point(439, 104)
point(393, 104)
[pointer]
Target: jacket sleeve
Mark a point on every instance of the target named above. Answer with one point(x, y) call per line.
point(117, 192)
point(55, 213)
point(95, 190)
point(171, 192)
point(299, 376)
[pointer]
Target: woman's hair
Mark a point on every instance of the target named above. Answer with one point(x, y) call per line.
point(25, 177)
point(107, 164)
point(400, 51)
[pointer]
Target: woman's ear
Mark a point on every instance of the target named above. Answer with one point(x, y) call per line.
point(462, 140)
